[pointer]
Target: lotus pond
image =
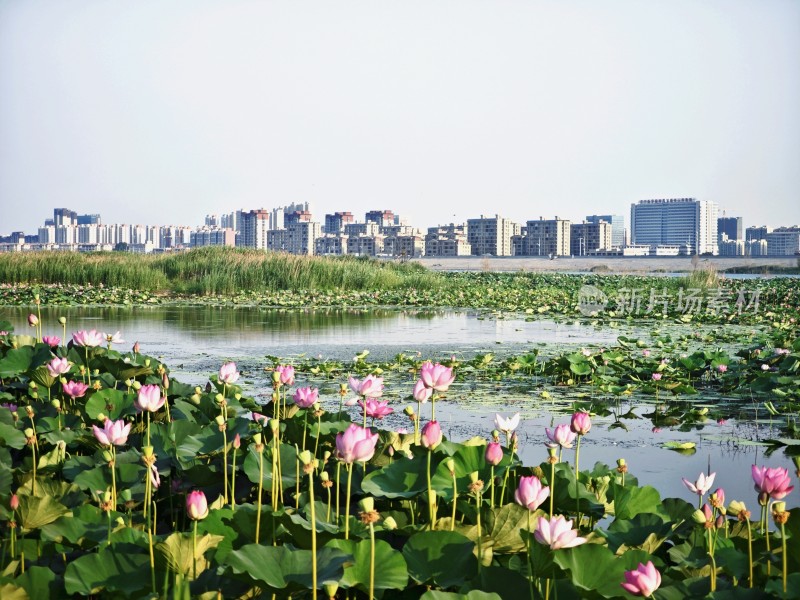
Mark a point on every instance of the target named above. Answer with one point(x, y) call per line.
point(152, 473)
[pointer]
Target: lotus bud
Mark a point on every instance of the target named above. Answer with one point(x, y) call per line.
point(331, 588)
point(305, 457)
point(165, 381)
point(450, 464)
point(14, 502)
point(719, 522)
point(147, 451)
point(62, 320)
point(62, 380)
point(36, 298)
point(237, 441)
point(137, 385)
point(699, 517)
point(33, 320)
point(367, 504)
point(389, 523)
point(763, 498)
point(136, 348)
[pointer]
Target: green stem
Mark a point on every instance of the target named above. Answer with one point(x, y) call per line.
point(750, 552)
point(328, 514)
point(88, 370)
point(194, 551)
point(431, 512)
point(491, 490)
point(455, 498)
point(233, 482)
point(530, 558)
point(713, 563)
point(338, 493)
point(478, 503)
point(319, 428)
point(313, 534)
point(371, 561)
point(114, 477)
point(33, 481)
point(152, 551)
point(225, 465)
point(783, 555)
point(305, 427)
point(577, 474)
point(766, 539)
point(260, 489)
point(347, 503)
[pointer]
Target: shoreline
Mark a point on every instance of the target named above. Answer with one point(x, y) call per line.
point(610, 265)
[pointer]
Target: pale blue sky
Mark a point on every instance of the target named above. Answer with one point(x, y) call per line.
point(163, 111)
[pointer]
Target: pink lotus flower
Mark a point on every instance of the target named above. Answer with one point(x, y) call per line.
point(113, 338)
point(376, 409)
point(370, 386)
point(702, 485)
point(306, 397)
point(773, 481)
point(557, 533)
point(196, 505)
point(286, 373)
point(88, 339)
point(436, 377)
point(355, 444)
point(722, 368)
point(259, 418)
point(645, 353)
point(57, 367)
point(150, 398)
point(421, 393)
point(14, 502)
point(33, 320)
point(561, 436)
point(74, 389)
point(494, 453)
point(155, 478)
point(113, 432)
point(431, 435)
point(642, 581)
point(656, 376)
point(51, 340)
point(228, 373)
point(581, 423)
point(506, 425)
point(530, 492)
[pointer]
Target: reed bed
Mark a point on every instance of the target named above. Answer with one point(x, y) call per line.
point(214, 271)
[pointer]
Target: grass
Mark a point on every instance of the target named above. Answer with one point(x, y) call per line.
point(214, 271)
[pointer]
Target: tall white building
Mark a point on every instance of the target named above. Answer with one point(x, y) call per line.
point(676, 222)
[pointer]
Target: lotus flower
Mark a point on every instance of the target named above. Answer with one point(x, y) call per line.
point(74, 389)
point(642, 581)
point(506, 425)
point(421, 393)
point(228, 373)
point(57, 367)
point(356, 444)
point(530, 492)
point(155, 478)
point(376, 409)
point(306, 397)
point(562, 436)
point(773, 481)
point(88, 339)
point(51, 340)
point(150, 398)
point(113, 432)
point(581, 423)
point(557, 533)
point(286, 374)
point(33, 320)
point(259, 418)
point(702, 485)
point(196, 505)
point(113, 338)
point(656, 376)
point(436, 377)
point(494, 453)
point(370, 386)
point(431, 435)
point(722, 368)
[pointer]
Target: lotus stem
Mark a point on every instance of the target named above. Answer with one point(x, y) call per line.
point(194, 551)
point(530, 558)
point(502, 489)
point(152, 553)
point(478, 503)
point(416, 422)
point(491, 490)
point(783, 556)
point(372, 561)
point(766, 538)
point(347, 503)
point(338, 494)
point(225, 464)
point(713, 576)
point(33, 454)
point(297, 479)
point(260, 450)
point(455, 498)
point(750, 551)
point(319, 429)
point(113, 464)
point(552, 485)
point(313, 533)
point(577, 474)
point(328, 515)
point(431, 511)
point(305, 427)
point(233, 482)
point(108, 517)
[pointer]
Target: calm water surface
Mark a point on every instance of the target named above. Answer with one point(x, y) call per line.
point(195, 340)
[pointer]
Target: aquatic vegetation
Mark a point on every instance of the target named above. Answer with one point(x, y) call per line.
point(120, 489)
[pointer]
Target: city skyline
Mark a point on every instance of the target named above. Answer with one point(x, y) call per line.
point(147, 112)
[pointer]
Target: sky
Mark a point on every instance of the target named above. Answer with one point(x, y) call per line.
point(441, 110)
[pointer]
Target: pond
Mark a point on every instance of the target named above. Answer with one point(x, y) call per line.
point(194, 341)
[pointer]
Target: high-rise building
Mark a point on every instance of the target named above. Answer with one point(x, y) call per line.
point(381, 217)
point(447, 240)
point(756, 233)
point(617, 227)
point(88, 219)
point(784, 241)
point(730, 226)
point(491, 235)
point(64, 216)
point(301, 237)
point(545, 237)
point(255, 224)
point(297, 216)
point(683, 222)
point(334, 223)
point(587, 238)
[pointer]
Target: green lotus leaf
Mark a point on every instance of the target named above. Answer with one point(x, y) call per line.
point(391, 571)
point(629, 501)
point(118, 569)
point(180, 554)
point(37, 512)
point(442, 558)
point(12, 591)
point(403, 478)
point(38, 582)
point(11, 436)
point(473, 595)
